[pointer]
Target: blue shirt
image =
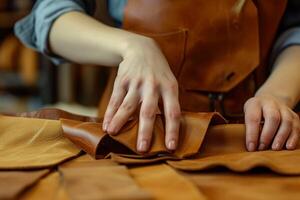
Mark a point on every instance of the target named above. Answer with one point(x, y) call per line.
point(33, 30)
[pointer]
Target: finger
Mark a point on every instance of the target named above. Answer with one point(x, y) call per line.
point(172, 115)
point(146, 121)
point(272, 121)
point(125, 111)
point(115, 101)
point(252, 119)
point(284, 130)
point(293, 139)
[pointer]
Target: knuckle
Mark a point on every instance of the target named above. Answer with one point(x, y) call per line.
point(274, 116)
point(253, 119)
point(113, 103)
point(250, 101)
point(127, 106)
point(172, 86)
point(148, 113)
point(174, 115)
point(153, 84)
point(124, 82)
point(288, 120)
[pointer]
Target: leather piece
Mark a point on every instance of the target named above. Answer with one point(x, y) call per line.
point(100, 182)
point(14, 183)
point(52, 185)
point(33, 143)
point(165, 183)
point(90, 137)
point(55, 114)
point(224, 147)
point(256, 185)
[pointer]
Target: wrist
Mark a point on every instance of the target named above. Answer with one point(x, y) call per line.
point(281, 97)
point(135, 44)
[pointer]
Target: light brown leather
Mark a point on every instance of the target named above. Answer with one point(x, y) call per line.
point(260, 185)
point(165, 183)
point(49, 188)
point(100, 182)
point(13, 184)
point(33, 143)
point(224, 147)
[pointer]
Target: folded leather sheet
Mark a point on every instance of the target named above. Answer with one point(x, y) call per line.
point(33, 143)
point(90, 137)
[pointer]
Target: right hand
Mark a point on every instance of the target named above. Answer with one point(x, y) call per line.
point(143, 77)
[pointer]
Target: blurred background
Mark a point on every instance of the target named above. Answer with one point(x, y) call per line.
point(29, 81)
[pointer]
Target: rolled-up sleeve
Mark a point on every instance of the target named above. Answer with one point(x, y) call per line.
point(33, 30)
point(288, 38)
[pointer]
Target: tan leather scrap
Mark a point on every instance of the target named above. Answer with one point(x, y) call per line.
point(206, 141)
point(14, 183)
point(33, 143)
point(224, 146)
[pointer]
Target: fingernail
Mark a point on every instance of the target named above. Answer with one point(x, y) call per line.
point(142, 147)
point(290, 146)
point(111, 130)
point(251, 146)
point(172, 145)
point(105, 125)
point(276, 146)
point(261, 147)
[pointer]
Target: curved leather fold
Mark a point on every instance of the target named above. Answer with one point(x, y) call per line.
point(90, 137)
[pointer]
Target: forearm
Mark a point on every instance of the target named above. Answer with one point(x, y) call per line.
point(284, 81)
point(82, 39)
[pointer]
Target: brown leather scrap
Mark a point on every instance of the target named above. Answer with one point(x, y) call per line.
point(90, 137)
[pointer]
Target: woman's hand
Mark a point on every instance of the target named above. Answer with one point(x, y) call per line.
point(281, 125)
point(143, 77)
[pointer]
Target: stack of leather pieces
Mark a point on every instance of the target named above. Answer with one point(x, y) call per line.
point(68, 156)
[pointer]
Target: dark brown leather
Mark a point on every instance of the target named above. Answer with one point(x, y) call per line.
point(211, 47)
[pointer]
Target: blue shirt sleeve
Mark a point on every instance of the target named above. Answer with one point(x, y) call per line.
point(288, 38)
point(33, 29)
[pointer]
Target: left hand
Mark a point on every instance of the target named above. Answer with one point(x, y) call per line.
point(281, 126)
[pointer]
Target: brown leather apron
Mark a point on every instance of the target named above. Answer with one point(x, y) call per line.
point(218, 50)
